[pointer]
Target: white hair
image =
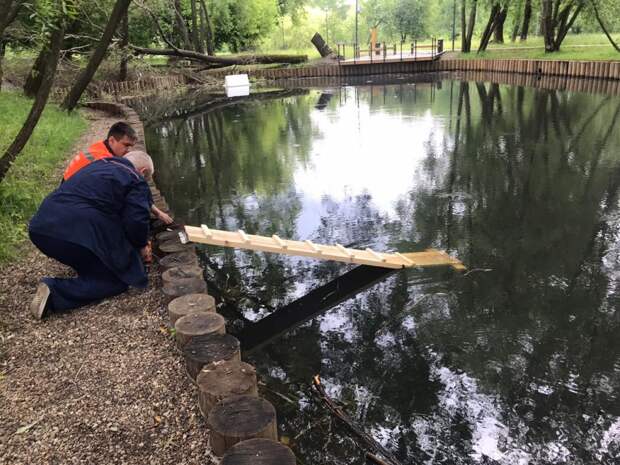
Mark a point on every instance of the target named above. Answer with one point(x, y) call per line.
point(140, 160)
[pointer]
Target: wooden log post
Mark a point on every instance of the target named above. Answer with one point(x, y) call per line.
point(321, 45)
point(166, 236)
point(259, 452)
point(201, 351)
point(238, 418)
point(174, 246)
point(181, 287)
point(190, 303)
point(220, 380)
point(181, 272)
point(178, 259)
point(198, 324)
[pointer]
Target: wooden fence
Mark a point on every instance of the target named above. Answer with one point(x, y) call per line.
point(579, 69)
point(601, 76)
point(118, 89)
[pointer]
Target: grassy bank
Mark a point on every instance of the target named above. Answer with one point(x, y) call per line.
point(577, 47)
point(35, 173)
point(567, 53)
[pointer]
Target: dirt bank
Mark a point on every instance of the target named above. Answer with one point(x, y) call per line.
point(102, 384)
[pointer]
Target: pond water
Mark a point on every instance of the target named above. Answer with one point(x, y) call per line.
point(516, 361)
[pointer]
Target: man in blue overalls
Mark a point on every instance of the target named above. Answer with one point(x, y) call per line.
point(96, 222)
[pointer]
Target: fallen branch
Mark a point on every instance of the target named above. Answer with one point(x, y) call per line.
point(222, 61)
point(363, 435)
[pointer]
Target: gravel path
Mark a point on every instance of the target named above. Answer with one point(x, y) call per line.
point(103, 384)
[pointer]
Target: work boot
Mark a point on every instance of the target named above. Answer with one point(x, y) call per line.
point(39, 301)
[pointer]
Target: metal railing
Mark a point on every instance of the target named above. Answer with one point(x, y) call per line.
point(384, 52)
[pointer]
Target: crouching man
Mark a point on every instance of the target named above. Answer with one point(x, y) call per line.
point(96, 222)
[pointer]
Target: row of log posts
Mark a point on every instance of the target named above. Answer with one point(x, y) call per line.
point(243, 429)
point(242, 425)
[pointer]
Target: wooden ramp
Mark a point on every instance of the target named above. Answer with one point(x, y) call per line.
point(337, 252)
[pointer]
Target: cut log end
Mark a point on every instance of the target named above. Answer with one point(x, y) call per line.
point(237, 418)
point(181, 272)
point(165, 236)
point(178, 259)
point(174, 246)
point(198, 324)
point(202, 350)
point(182, 287)
point(190, 303)
point(259, 452)
point(220, 380)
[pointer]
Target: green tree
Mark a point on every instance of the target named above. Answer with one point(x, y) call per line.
point(56, 31)
point(607, 9)
point(241, 24)
point(467, 25)
point(410, 18)
point(334, 11)
point(557, 17)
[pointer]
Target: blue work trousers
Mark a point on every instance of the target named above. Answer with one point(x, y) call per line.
point(94, 281)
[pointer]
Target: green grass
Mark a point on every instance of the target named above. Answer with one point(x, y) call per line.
point(36, 171)
point(604, 53)
point(581, 47)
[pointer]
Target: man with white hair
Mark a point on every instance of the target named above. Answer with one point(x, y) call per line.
point(96, 222)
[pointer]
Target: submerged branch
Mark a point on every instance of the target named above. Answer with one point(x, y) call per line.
point(363, 435)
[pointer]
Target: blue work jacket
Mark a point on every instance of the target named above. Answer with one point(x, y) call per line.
point(104, 207)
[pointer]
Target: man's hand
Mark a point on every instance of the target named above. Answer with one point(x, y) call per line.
point(147, 253)
point(167, 219)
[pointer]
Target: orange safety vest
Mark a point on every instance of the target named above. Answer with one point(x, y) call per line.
point(97, 151)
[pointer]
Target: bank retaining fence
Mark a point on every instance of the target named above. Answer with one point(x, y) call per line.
point(577, 69)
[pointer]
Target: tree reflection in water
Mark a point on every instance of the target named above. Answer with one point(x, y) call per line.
point(516, 361)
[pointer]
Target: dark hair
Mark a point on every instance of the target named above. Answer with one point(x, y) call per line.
point(120, 129)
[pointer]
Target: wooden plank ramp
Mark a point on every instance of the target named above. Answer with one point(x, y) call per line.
point(336, 252)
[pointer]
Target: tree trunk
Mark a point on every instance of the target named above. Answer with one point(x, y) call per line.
point(488, 30)
point(600, 22)
point(124, 33)
point(463, 27)
point(40, 101)
point(120, 7)
point(37, 72)
point(498, 31)
point(195, 32)
point(206, 21)
point(11, 7)
point(222, 61)
point(2, 52)
point(547, 25)
point(515, 27)
point(181, 26)
point(468, 31)
point(527, 15)
point(566, 24)
point(557, 21)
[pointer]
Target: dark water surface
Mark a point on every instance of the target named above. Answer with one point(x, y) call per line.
point(516, 361)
